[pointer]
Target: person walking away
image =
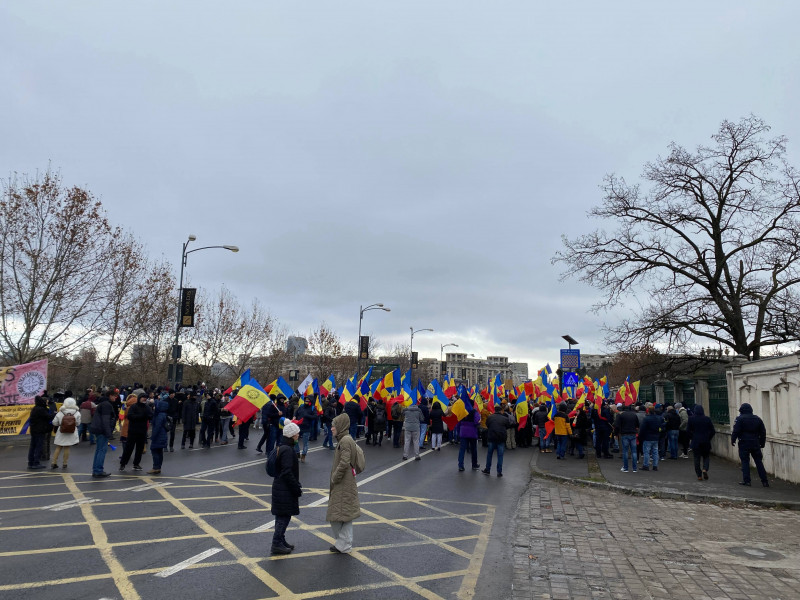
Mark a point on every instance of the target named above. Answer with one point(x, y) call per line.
point(540, 419)
point(189, 417)
point(343, 506)
point(136, 419)
point(305, 414)
point(701, 430)
point(423, 426)
point(437, 426)
point(210, 416)
point(683, 430)
point(496, 427)
point(580, 429)
point(265, 426)
point(412, 417)
point(328, 415)
point(103, 426)
point(286, 488)
point(749, 430)
point(225, 418)
point(40, 426)
point(244, 432)
point(602, 430)
point(353, 410)
point(511, 432)
point(174, 414)
point(562, 430)
point(380, 423)
point(397, 422)
point(649, 434)
point(673, 425)
point(87, 411)
point(159, 435)
point(66, 421)
point(370, 421)
point(468, 434)
point(626, 426)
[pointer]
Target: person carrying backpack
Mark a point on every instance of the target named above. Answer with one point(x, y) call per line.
point(67, 421)
point(286, 488)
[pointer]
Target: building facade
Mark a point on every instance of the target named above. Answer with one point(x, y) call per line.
point(478, 371)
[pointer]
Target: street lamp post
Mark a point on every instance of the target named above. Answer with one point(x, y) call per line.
point(184, 256)
point(442, 347)
point(411, 355)
point(361, 311)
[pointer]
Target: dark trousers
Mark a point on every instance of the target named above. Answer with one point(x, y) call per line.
point(601, 443)
point(758, 458)
point(158, 457)
point(172, 432)
point(134, 442)
point(705, 455)
point(190, 434)
point(45, 452)
point(264, 438)
point(281, 523)
point(244, 432)
point(35, 449)
point(376, 435)
point(683, 440)
point(397, 428)
point(207, 432)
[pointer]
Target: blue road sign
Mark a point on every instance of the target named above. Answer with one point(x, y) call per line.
point(570, 379)
point(571, 360)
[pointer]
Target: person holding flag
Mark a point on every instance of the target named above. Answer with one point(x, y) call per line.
point(304, 415)
point(468, 430)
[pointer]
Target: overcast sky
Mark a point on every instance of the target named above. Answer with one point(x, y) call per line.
point(427, 155)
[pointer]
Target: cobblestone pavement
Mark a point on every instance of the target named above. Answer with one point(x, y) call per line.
point(578, 543)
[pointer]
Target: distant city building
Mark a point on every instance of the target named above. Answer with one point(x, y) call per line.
point(478, 370)
point(428, 369)
point(296, 346)
point(141, 352)
point(596, 361)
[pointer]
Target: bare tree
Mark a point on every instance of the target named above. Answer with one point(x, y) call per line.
point(55, 250)
point(709, 251)
point(325, 351)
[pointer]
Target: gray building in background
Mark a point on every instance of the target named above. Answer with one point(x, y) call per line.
point(296, 346)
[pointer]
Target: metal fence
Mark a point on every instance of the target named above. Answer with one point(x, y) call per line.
point(718, 399)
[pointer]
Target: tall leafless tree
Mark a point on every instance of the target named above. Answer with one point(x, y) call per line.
point(709, 250)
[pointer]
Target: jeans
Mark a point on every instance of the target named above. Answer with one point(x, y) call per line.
point(561, 445)
point(100, 454)
point(304, 438)
point(579, 447)
point(601, 442)
point(354, 430)
point(281, 523)
point(223, 426)
point(397, 427)
point(274, 437)
point(411, 443)
point(544, 441)
point(628, 443)
point(650, 451)
point(328, 441)
point(500, 447)
point(436, 440)
point(744, 456)
point(314, 430)
point(158, 457)
point(83, 429)
point(423, 429)
point(473, 448)
point(672, 443)
point(35, 449)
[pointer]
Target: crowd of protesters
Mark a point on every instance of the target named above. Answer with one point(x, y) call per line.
point(147, 419)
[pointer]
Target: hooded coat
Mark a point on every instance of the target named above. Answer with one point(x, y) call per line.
point(701, 429)
point(68, 408)
point(158, 435)
point(343, 502)
point(749, 429)
point(286, 487)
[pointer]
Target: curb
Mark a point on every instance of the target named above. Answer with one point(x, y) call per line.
point(667, 494)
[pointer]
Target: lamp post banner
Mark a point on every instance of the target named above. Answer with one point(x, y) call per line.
point(187, 307)
point(363, 351)
point(20, 384)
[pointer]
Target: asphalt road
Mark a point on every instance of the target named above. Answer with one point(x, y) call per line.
point(203, 527)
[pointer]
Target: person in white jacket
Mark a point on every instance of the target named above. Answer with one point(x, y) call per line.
point(65, 440)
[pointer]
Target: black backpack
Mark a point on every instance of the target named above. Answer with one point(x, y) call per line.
point(272, 462)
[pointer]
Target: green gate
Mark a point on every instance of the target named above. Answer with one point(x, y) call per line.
point(718, 399)
point(688, 393)
point(669, 393)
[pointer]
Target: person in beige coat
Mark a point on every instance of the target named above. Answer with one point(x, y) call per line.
point(65, 441)
point(343, 505)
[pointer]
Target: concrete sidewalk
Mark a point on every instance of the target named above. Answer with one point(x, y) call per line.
point(674, 479)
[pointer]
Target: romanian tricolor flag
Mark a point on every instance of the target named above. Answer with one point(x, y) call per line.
point(438, 395)
point(449, 387)
point(318, 405)
point(409, 397)
point(326, 388)
point(248, 401)
point(420, 392)
point(280, 386)
point(363, 383)
point(243, 379)
point(391, 381)
point(521, 411)
point(349, 392)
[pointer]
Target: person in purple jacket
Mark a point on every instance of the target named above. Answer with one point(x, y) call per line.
point(468, 432)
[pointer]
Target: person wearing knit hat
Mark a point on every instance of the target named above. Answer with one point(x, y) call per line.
point(286, 488)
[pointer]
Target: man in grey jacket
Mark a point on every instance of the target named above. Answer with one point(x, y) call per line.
point(412, 417)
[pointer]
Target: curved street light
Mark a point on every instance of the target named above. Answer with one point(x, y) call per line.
point(442, 347)
point(361, 311)
point(184, 257)
point(411, 356)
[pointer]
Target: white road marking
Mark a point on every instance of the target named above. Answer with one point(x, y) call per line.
point(324, 499)
point(143, 487)
point(18, 476)
point(188, 562)
point(69, 504)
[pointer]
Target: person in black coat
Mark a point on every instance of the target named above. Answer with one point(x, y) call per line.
point(701, 430)
point(286, 488)
point(189, 416)
point(137, 416)
point(40, 427)
point(497, 426)
point(437, 426)
point(752, 435)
